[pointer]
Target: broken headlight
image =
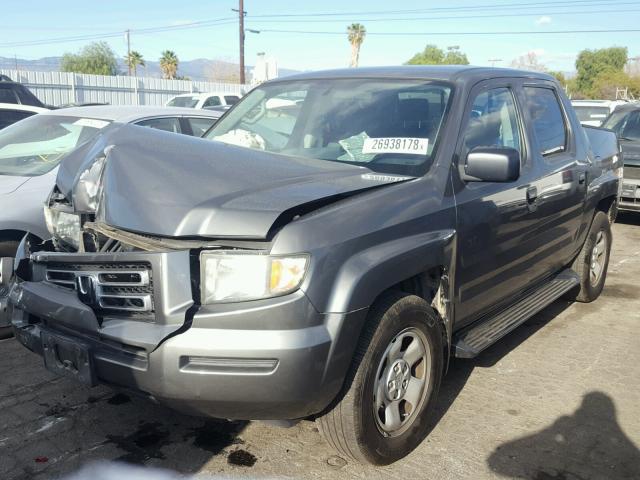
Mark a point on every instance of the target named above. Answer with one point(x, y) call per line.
point(63, 226)
point(236, 277)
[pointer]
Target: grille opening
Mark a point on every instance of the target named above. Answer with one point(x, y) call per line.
point(122, 302)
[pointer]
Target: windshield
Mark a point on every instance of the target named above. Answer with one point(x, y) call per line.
point(386, 125)
point(188, 102)
point(37, 144)
point(591, 114)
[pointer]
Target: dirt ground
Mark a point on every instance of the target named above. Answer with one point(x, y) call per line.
point(558, 399)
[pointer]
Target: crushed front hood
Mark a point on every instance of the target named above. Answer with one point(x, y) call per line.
point(173, 185)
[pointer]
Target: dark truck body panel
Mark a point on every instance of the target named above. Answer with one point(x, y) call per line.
point(472, 247)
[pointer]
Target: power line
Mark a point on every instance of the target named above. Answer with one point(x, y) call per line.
point(527, 32)
point(554, 4)
point(138, 31)
point(453, 17)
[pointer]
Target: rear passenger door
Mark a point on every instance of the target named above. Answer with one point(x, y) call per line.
point(497, 223)
point(560, 188)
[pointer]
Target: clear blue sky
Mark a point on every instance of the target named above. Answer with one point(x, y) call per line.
point(43, 20)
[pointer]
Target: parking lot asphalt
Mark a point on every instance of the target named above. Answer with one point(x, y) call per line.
point(558, 399)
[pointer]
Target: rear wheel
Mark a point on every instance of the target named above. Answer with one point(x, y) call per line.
point(382, 413)
point(593, 261)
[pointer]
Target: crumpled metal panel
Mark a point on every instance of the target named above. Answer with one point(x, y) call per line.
point(173, 185)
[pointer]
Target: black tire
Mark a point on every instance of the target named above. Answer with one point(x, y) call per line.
point(350, 424)
point(589, 289)
point(8, 248)
point(6, 332)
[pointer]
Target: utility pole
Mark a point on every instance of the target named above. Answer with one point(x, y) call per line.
point(127, 34)
point(241, 17)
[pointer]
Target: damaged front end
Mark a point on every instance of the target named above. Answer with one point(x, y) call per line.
point(212, 325)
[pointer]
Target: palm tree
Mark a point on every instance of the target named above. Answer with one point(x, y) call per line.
point(169, 64)
point(133, 60)
point(356, 32)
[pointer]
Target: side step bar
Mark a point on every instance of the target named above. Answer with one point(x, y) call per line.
point(485, 332)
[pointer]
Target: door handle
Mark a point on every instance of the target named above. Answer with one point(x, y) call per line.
point(532, 198)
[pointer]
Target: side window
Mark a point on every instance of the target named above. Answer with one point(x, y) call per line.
point(631, 130)
point(168, 124)
point(212, 102)
point(7, 95)
point(231, 99)
point(200, 125)
point(548, 120)
point(493, 121)
point(9, 117)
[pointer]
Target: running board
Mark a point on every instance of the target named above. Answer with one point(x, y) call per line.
point(484, 333)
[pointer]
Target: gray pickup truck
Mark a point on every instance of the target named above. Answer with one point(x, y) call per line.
point(341, 238)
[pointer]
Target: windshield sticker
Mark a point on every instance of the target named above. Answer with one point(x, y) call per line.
point(91, 122)
point(406, 146)
point(354, 146)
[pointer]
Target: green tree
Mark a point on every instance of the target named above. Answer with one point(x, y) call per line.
point(169, 64)
point(355, 33)
point(96, 58)
point(455, 57)
point(434, 55)
point(133, 60)
point(593, 63)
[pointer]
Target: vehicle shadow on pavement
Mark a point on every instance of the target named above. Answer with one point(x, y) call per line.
point(587, 444)
point(460, 369)
point(628, 218)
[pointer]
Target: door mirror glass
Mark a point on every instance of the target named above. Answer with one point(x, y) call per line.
point(492, 164)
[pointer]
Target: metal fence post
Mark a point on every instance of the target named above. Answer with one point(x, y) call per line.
point(73, 88)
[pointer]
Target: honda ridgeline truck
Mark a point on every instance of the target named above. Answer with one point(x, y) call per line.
point(334, 240)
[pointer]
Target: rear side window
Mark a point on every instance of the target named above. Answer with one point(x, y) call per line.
point(200, 125)
point(231, 99)
point(8, 117)
point(168, 124)
point(548, 120)
point(212, 102)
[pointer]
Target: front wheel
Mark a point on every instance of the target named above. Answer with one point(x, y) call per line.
point(593, 261)
point(382, 413)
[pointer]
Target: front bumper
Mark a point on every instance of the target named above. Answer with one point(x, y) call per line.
point(269, 359)
point(630, 196)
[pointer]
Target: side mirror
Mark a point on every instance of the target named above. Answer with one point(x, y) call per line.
point(492, 164)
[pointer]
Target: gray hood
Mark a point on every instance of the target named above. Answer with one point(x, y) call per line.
point(172, 185)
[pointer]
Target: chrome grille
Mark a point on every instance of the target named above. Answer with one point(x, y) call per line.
point(107, 287)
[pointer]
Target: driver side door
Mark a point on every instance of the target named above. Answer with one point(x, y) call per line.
point(496, 221)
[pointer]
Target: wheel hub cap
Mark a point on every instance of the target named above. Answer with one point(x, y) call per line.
point(402, 381)
point(398, 380)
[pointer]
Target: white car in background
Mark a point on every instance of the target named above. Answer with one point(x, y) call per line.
point(595, 112)
point(210, 100)
point(13, 112)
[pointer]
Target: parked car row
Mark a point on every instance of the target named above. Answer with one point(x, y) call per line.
point(321, 253)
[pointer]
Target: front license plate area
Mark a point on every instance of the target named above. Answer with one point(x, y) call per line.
point(69, 358)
